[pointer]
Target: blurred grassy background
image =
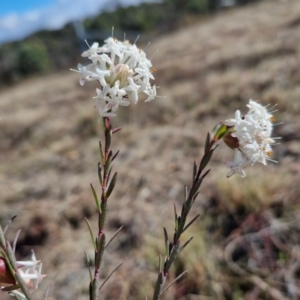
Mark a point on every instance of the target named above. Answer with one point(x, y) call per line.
point(207, 67)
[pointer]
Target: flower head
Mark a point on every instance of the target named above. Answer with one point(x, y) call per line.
point(122, 70)
point(31, 272)
point(6, 276)
point(250, 136)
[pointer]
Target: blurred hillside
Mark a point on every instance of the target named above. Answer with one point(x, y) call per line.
point(48, 51)
point(207, 70)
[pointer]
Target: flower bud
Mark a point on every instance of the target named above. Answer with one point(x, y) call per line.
point(231, 141)
point(6, 277)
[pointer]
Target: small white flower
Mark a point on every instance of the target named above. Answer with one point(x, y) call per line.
point(31, 272)
point(238, 164)
point(122, 70)
point(252, 134)
point(93, 50)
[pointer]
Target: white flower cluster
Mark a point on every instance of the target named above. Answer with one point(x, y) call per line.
point(31, 273)
point(252, 135)
point(122, 70)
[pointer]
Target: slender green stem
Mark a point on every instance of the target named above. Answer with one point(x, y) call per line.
point(104, 171)
point(173, 248)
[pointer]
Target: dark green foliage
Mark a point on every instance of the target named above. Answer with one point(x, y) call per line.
point(60, 49)
point(145, 17)
point(187, 6)
point(32, 58)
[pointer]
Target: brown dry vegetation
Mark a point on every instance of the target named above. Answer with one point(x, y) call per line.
point(49, 153)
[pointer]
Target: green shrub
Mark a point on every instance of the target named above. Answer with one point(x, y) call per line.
point(32, 58)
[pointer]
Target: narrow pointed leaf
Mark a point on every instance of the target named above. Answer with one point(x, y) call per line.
point(91, 232)
point(194, 197)
point(114, 236)
point(100, 250)
point(185, 244)
point(96, 199)
point(176, 279)
point(194, 170)
point(16, 240)
point(186, 193)
point(22, 285)
point(205, 174)
point(10, 288)
point(9, 222)
point(159, 286)
point(100, 173)
point(107, 163)
point(173, 254)
point(101, 153)
point(2, 238)
point(116, 130)
point(109, 173)
point(107, 138)
point(207, 143)
point(113, 271)
point(89, 265)
point(115, 155)
point(11, 256)
point(197, 185)
point(166, 241)
point(47, 292)
point(190, 223)
point(94, 289)
point(176, 217)
point(206, 158)
point(111, 185)
point(159, 263)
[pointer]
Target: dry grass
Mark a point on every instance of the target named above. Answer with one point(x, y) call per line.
point(49, 135)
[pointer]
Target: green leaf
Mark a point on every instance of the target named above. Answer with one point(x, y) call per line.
point(89, 265)
point(115, 155)
point(109, 173)
point(8, 224)
point(194, 170)
point(100, 250)
point(166, 241)
point(112, 272)
point(176, 217)
point(10, 288)
point(159, 263)
point(107, 163)
point(186, 193)
point(190, 223)
point(2, 238)
point(173, 254)
point(116, 130)
point(194, 197)
point(101, 153)
point(108, 133)
point(207, 143)
point(91, 233)
point(111, 185)
point(185, 244)
point(96, 199)
point(100, 174)
point(11, 256)
point(116, 233)
point(205, 159)
point(176, 279)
